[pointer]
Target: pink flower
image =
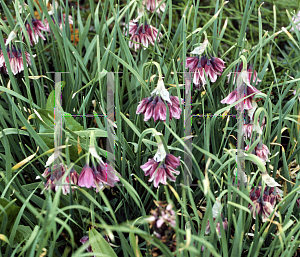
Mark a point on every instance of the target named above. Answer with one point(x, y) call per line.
point(54, 178)
point(84, 240)
point(142, 34)
point(106, 174)
point(15, 60)
point(151, 5)
point(87, 177)
point(47, 26)
point(262, 207)
point(249, 73)
point(34, 34)
point(261, 152)
point(224, 223)
point(213, 67)
point(155, 107)
point(233, 97)
point(164, 171)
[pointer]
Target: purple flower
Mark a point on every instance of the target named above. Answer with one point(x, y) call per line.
point(155, 107)
point(87, 177)
point(15, 60)
point(232, 98)
point(47, 26)
point(224, 223)
point(261, 152)
point(165, 170)
point(84, 240)
point(152, 4)
point(142, 34)
point(262, 207)
point(213, 67)
point(54, 178)
point(34, 34)
point(106, 174)
point(249, 74)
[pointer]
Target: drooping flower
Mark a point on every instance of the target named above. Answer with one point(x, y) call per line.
point(262, 207)
point(213, 67)
point(155, 107)
point(142, 34)
point(250, 71)
point(105, 174)
point(35, 32)
point(233, 97)
point(87, 177)
point(15, 60)
point(70, 18)
point(151, 5)
point(224, 223)
point(159, 171)
point(162, 223)
point(261, 152)
point(249, 127)
point(84, 240)
point(54, 177)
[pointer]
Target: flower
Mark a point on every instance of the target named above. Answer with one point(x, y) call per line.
point(261, 152)
point(142, 34)
point(213, 67)
point(295, 94)
point(262, 207)
point(249, 74)
point(296, 20)
point(232, 98)
point(152, 4)
point(34, 34)
point(47, 26)
point(54, 178)
point(155, 107)
point(160, 171)
point(248, 128)
point(224, 223)
point(15, 60)
point(97, 177)
point(162, 223)
point(106, 174)
point(87, 177)
point(84, 240)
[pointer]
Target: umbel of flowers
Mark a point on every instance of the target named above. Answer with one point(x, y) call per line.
point(161, 167)
point(155, 105)
point(200, 64)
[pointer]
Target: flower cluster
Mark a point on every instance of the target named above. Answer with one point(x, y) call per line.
point(159, 170)
point(155, 107)
point(15, 59)
point(264, 204)
point(103, 175)
point(60, 21)
point(151, 5)
point(224, 223)
point(35, 32)
point(162, 223)
point(144, 34)
point(213, 67)
point(261, 151)
point(54, 177)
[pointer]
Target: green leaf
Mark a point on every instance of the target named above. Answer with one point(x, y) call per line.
point(99, 244)
point(11, 211)
point(23, 233)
